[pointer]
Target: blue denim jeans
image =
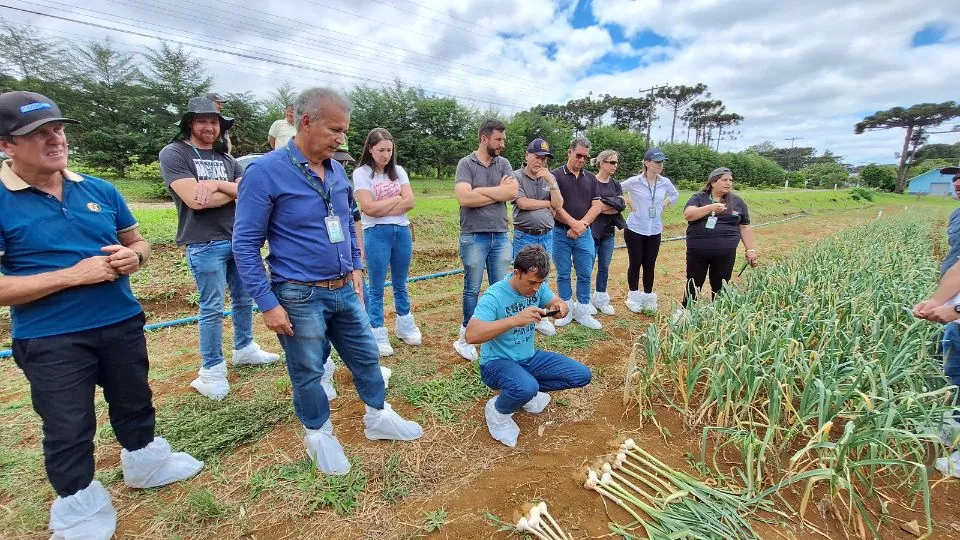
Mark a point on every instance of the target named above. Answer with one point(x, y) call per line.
point(214, 270)
point(520, 380)
point(319, 315)
point(580, 252)
point(522, 240)
point(951, 358)
point(604, 250)
point(387, 247)
point(479, 251)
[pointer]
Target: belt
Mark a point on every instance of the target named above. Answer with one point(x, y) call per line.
point(323, 284)
point(535, 232)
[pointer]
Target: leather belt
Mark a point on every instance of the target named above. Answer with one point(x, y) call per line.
point(324, 284)
point(535, 232)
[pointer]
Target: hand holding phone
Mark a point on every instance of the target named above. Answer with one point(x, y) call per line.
point(551, 313)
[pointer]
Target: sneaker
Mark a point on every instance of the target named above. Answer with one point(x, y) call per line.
point(601, 301)
point(386, 372)
point(253, 355)
point(949, 466)
point(635, 301)
point(546, 328)
point(88, 513)
point(501, 426)
point(326, 380)
point(212, 382)
point(326, 451)
point(467, 350)
point(582, 316)
point(155, 465)
point(569, 318)
point(406, 329)
point(383, 341)
point(538, 403)
point(386, 424)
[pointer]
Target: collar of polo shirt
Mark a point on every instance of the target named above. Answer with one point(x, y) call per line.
point(14, 183)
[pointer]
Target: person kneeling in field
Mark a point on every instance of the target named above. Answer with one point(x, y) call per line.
point(504, 323)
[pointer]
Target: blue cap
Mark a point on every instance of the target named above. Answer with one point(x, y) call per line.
point(539, 147)
point(655, 154)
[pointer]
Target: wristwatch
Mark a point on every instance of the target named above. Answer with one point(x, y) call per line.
point(956, 307)
point(139, 258)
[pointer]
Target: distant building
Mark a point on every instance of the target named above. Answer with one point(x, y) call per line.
point(931, 183)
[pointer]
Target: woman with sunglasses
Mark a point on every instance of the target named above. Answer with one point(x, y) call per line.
point(648, 193)
point(604, 228)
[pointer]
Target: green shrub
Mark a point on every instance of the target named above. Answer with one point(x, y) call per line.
point(858, 193)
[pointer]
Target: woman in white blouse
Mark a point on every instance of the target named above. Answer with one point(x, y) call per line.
point(647, 194)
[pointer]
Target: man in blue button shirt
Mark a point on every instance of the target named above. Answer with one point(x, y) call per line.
point(298, 199)
point(68, 244)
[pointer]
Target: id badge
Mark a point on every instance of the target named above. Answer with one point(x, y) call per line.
point(651, 212)
point(711, 222)
point(334, 231)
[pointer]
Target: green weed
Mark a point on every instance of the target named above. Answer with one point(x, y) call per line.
point(446, 397)
point(572, 338)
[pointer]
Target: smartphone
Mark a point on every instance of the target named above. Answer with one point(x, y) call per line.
point(551, 313)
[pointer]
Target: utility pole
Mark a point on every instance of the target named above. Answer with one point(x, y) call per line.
point(653, 105)
point(792, 141)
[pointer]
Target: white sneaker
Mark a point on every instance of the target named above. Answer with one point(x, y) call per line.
point(386, 372)
point(546, 328)
point(386, 424)
point(253, 355)
point(582, 316)
point(538, 403)
point(383, 341)
point(650, 301)
point(635, 301)
point(678, 316)
point(601, 301)
point(326, 380)
point(326, 451)
point(406, 329)
point(949, 466)
point(212, 382)
point(155, 465)
point(569, 318)
point(87, 514)
point(501, 426)
point(467, 350)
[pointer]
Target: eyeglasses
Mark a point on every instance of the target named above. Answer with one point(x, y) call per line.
point(581, 156)
point(612, 162)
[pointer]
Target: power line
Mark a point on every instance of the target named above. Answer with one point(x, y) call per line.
point(381, 2)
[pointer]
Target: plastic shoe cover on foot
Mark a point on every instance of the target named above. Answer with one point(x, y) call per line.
point(678, 316)
point(383, 341)
point(591, 309)
point(501, 426)
point(326, 381)
point(406, 329)
point(467, 350)
point(569, 318)
point(253, 355)
point(386, 372)
point(949, 431)
point(949, 466)
point(538, 403)
point(582, 316)
point(546, 328)
point(635, 301)
point(325, 450)
point(86, 515)
point(386, 424)
point(155, 465)
point(601, 301)
point(212, 382)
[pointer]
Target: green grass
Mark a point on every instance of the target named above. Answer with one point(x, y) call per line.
point(197, 512)
point(434, 520)
point(572, 338)
point(447, 397)
point(300, 483)
point(397, 483)
point(141, 190)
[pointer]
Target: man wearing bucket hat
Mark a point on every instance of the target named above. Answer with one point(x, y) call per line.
point(68, 244)
point(203, 183)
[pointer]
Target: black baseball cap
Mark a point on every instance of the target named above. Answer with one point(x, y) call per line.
point(24, 112)
point(950, 170)
point(539, 147)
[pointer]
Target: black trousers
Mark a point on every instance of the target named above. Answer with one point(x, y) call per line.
point(642, 251)
point(63, 372)
point(700, 262)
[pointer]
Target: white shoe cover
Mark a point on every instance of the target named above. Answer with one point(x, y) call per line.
point(651, 301)
point(386, 424)
point(86, 515)
point(583, 316)
point(678, 316)
point(326, 380)
point(949, 466)
point(253, 355)
point(155, 465)
point(325, 450)
point(406, 329)
point(538, 403)
point(569, 318)
point(546, 328)
point(601, 301)
point(501, 426)
point(467, 350)
point(591, 309)
point(635, 301)
point(212, 383)
point(383, 341)
point(386, 372)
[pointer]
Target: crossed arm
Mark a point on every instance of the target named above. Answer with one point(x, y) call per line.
point(471, 197)
point(206, 194)
point(394, 206)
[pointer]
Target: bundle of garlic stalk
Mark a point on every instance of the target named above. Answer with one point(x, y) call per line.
point(539, 523)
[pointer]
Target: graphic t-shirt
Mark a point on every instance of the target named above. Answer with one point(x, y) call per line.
point(382, 188)
point(500, 301)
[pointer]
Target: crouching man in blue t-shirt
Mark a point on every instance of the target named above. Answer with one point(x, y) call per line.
point(504, 323)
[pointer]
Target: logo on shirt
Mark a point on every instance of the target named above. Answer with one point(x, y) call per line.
point(93, 207)
point(210, 169)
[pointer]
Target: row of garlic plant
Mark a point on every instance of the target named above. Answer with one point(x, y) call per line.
point(812, 371)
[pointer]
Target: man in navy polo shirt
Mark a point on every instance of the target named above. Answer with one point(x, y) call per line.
point(298, 199)
point(68, 244)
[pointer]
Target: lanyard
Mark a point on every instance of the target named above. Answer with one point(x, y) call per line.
point(312, 180)
point(653, 190)
point(197, 152)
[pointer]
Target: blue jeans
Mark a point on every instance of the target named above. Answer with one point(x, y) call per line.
point(320, 315)
point(604, 250)
point(520, 380)
point(387, 247)
point(214, 270)
point(951, 358)
point(522, 240)
point(578, 250)
point(479, 251)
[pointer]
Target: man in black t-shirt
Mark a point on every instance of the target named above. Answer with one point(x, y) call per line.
point(203, 183)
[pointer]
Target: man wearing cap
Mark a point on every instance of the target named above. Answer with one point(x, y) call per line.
point(225, 136)
point(68, 244)
point(203, 183)
point(282, 130)
point(572, 239)
point(538, 199)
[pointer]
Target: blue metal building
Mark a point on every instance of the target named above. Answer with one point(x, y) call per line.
point(931, 183)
